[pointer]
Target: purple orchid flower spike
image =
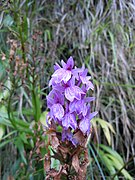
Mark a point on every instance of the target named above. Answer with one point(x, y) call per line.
point(68, 101)
point(69, 118)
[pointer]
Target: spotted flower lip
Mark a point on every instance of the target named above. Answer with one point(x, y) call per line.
point(68, 103)
point(69, 120)
point(55, 97)
point(78, 106)
point(61, 75)
point(57, 111)
point(85, 124)
point(64, 73)
point(73, 92)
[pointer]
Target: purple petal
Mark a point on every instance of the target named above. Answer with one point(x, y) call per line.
point(93, 114)
point(69, 120)
point(84, 110)
point(85, 80)
point(84, 73)
point(89, 85)
point(71, 82)
point(56, 66)
point(61, 74)
point(70, 63)
point(77, 71)
point(77, 91)
point(52, 82)
point(72, 106)
point(80, 116)
point(50, 101)
point(63, 64)
point(57, 111)
point(89, 99)
point(69, 94)
point(85, 125)
point(67, 135)
point(58, 75)
point(66, 107)
point(58, 97)
point(78, 107)
point(73, 92)
point(55, 97)
point(59, 87)
point(66, 76)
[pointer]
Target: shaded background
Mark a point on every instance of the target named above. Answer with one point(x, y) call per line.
point(100, 34)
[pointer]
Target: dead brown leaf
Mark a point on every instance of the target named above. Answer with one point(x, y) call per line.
point(56, 175)
point(80, 138)
point(47, 163)
point(75, 163)
point(55, 142)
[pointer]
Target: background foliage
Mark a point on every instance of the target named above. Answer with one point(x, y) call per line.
point(36, 34)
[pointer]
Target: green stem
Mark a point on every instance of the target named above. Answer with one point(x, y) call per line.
point(9, 110)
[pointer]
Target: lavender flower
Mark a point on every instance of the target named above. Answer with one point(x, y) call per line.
point(64, 73)
point(69, 120)
point(68, 102)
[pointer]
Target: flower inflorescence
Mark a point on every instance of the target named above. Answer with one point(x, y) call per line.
point(68, 102)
